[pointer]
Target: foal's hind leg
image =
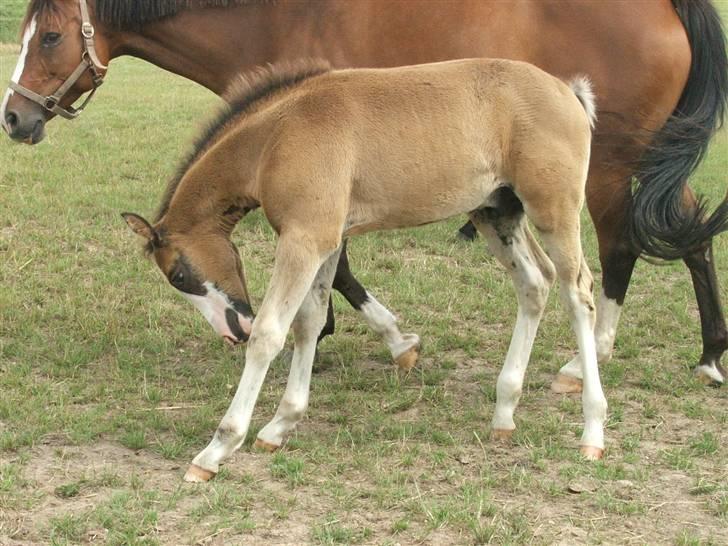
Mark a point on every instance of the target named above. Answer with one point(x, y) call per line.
point(405, 348)
point(296, 266)
point(575, 280)
point(506, 231)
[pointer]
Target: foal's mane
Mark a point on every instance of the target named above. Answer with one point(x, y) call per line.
point(133, 14)
point(242, 97)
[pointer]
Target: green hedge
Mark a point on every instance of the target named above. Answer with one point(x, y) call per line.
point(11, 13)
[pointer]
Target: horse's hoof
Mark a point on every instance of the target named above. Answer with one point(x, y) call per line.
point(265, 446)
point(501, 434)
point(566, 384)
point(197, 474)
point(407, 360)
point(591, 453)
point(710, 375)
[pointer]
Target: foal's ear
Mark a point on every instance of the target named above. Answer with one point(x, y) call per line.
point(140, 226)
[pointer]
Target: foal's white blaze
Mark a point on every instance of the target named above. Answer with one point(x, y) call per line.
point(17, 74)
point(212, 306)
point(384, 323)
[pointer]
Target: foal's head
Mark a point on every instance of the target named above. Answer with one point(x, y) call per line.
point(207, 271)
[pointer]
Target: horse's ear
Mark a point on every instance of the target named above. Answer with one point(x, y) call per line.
point(140, 226)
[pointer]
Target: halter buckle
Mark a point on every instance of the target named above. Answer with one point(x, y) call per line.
point(50, 103)
point(87, 29)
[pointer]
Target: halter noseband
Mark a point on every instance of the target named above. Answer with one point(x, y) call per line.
point(89, 62)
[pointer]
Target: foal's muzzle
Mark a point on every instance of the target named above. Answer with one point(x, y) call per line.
point(235, 322)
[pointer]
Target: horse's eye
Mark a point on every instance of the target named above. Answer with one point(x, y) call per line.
point(178, 279)
point(50, 39)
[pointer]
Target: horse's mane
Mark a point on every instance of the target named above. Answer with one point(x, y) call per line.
point(133, 14)
point(242, 96)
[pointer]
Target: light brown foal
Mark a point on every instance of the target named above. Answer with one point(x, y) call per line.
point(331, 154)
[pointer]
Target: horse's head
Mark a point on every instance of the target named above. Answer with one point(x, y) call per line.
point(62, 57)
point(207, 271)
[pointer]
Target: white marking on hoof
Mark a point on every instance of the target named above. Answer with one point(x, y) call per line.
point(265, 446)
point(197, 474)
point(591, 453)
point(407, 359)
point(501, 434)
point(566, 384)
point(708, 374)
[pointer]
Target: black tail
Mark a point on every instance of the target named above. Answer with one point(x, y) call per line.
point(661, 226)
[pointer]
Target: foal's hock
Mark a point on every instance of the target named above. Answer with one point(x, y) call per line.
point(330, 154)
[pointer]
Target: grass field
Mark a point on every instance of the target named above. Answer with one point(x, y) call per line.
point(111, 383)
point(11, 13)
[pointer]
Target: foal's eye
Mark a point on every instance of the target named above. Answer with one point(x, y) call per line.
point(50, 39)
point(178, 279)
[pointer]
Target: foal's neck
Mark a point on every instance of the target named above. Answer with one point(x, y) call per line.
point(220, 187)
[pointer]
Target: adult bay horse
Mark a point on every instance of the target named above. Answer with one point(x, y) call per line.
point(658, 67)
point(331, 154)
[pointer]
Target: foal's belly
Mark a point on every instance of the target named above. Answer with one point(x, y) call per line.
point(416, 202)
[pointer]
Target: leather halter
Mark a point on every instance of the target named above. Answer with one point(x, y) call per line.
point(89, 62)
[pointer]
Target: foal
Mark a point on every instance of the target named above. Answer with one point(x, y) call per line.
point(330, 154)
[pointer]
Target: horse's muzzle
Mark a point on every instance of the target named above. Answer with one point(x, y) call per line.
point(28, 128)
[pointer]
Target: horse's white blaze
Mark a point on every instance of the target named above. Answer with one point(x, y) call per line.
point(212, 306)
point(19, 68)
point(384, 323)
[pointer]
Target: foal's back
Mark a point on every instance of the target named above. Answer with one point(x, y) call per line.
point(411, 145)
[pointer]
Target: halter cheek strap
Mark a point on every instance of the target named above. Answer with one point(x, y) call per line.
point(89, 62)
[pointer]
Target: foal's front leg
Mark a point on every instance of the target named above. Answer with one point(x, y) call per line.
point(296, 266)
point(307, 324)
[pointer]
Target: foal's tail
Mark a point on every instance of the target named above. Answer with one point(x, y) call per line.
point(582, 88)
point(661, 226)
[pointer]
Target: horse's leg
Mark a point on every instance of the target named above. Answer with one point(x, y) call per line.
point(608, 200)
point(296, 266)
point(306, 326)
point(712, 322)
point(404, 348)
point(506, 231)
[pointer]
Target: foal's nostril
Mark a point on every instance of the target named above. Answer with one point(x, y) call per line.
point(11, 120)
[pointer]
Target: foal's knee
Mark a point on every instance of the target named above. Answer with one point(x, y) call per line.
point(265, 343)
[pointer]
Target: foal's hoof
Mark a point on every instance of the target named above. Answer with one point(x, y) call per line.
point(566, 384)
point(591, 453)
point(711, 375)
point(265, 446)
point(406, 360)
point(503, 435)
point(197, 474)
